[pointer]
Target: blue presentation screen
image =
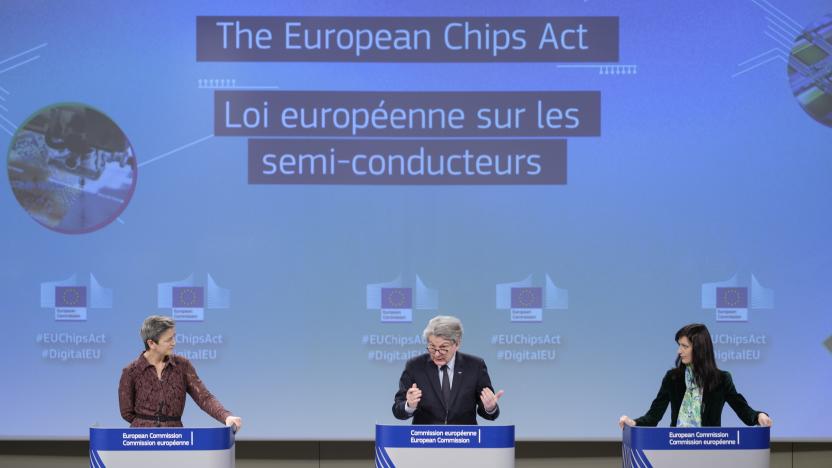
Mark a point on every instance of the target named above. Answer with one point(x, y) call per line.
point(303, 185)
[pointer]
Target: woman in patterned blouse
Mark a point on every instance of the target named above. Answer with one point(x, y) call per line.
point(696, 389)
point(152, 389)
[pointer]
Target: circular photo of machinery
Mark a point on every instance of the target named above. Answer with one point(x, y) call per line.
point(71, 168)
point(810, 70)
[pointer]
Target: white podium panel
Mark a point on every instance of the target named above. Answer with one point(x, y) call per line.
point(160, 446)
point(444, 446)
point(689, 447)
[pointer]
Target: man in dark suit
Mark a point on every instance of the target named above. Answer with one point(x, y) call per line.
point(444, 386)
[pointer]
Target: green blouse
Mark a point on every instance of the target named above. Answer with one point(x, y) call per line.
point(690, 414)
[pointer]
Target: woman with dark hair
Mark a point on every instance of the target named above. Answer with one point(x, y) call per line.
point(696, 389)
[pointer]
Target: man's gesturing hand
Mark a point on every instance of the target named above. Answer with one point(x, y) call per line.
point(414, 395)
point(489, 399)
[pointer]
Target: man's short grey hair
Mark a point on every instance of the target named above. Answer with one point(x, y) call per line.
point(446, 327)
point(153, 327)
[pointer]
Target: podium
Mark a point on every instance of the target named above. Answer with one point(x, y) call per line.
point(444, 446)
point(162, 446)
point(688, 447)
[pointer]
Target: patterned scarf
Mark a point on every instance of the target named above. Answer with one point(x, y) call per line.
point(690, 415)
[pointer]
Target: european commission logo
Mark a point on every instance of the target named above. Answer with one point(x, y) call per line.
point(71, 298)
point(188, 301)
point(732, 300)
point(527, 302)
point(396, 302)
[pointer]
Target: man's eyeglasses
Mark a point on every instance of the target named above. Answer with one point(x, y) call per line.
point(440, 350)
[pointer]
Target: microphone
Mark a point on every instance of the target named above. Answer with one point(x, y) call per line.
point(159, 413)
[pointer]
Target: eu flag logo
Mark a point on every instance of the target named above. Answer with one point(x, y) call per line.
point(70, 296)
point(191, 297)
point(396, 298)
point(526, 298)
point(732, 298)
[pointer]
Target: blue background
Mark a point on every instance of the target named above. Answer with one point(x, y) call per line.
point(696, 176)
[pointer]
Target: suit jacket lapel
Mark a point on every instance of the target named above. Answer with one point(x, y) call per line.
point(433, 378)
